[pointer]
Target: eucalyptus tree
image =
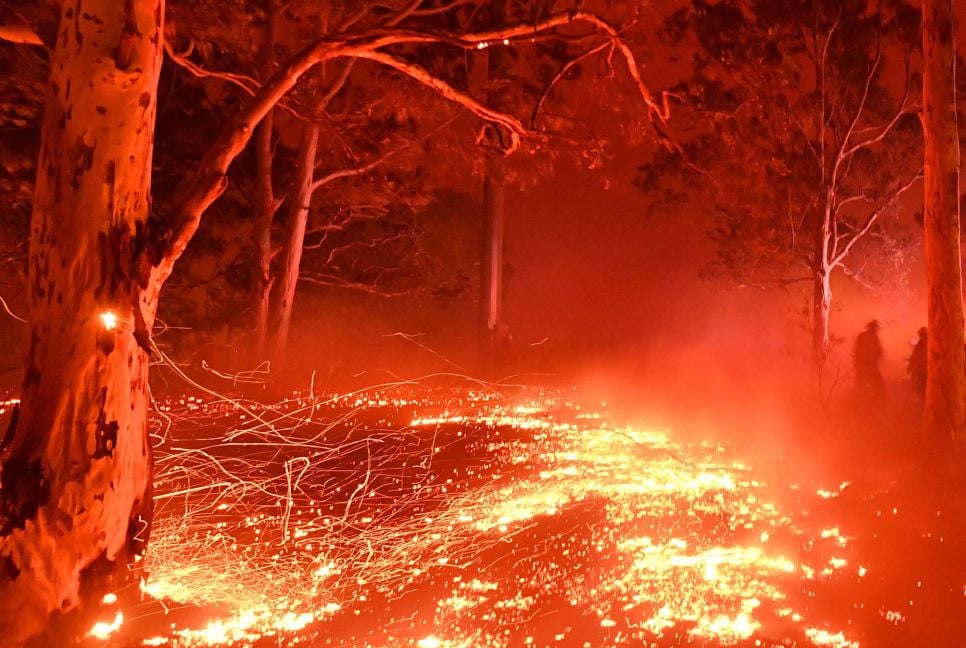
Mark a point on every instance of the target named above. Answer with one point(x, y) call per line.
point(75, 498)
point(805, 128)
point(945, 380)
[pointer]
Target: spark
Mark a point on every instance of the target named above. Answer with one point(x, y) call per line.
point(290, 516)
point(103, 630)
point(108, 320)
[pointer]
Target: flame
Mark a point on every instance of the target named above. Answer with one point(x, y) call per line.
point(103, 630)
point(108, 320)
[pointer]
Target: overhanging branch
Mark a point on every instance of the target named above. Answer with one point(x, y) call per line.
point(20, 34)
point(169, 236)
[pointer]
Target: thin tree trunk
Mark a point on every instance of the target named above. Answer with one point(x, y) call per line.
point(75, 502)
point(264, 214)
point(264, 208)
point(492, 330)
point(303, 187)
point(821, 316)
point(291, 256)
point(822, 286)
point(945, 415)
point(491, 265)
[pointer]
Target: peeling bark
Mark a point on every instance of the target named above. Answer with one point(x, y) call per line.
point(945, 415)
point(76, 490)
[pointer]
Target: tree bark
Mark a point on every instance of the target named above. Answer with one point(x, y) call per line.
point(264, 208)
point(492, 330)
point(75, 502)
point(821, 316)
point(945, 415)
point(264, 215)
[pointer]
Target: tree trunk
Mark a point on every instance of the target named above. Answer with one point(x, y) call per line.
point(75, 502)
point(491, 265)
point(822, 286)
point(821, 316)
point(298, 216)
point(492, 331)
point(264, 208)
point(262, 226)
point(945, 415)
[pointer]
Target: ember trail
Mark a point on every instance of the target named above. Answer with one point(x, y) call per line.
point(738, 219)
point(468, 518)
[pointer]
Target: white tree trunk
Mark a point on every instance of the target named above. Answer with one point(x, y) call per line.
point(821, 316)
point(76, 490)
point(291, 261)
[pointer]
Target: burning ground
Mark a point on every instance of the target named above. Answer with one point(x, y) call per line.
point(411, 516)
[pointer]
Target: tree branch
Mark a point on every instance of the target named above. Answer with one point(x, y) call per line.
point(169, 237)
point(372, 164)
point(334, 281)
point(873, 217)
point(560, 74)
point(445, 90)
point(904, 109)
point(247, 84)
point(20, 34)
point(433, 11)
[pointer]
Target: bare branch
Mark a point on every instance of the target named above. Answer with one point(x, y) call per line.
point(20, 34)
point(369, 166)
point(433, 11)
point(445, 90)
point(361, 245)
point(172, 234)
point(846, 201)
point(873, 217)
point(335, 281)
point(249, 84)
point(560, 74)
point(904, 109)
point(860, 108)
point(406, 12)
point(333, 90)
point(855, 275)
point(3, 303)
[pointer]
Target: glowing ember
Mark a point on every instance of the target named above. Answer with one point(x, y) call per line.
point(298, 519)
point(103, 630)
point(108, 320)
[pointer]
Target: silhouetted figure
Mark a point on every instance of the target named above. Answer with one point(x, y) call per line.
point(917, 366)
point(868, 357)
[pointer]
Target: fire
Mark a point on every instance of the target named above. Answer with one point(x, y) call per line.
point(108, 320)
point(263, 516)
point(103, 630)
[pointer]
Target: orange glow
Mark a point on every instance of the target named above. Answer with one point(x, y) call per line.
point(108, 320)
point(285, 545)
point(103, 630)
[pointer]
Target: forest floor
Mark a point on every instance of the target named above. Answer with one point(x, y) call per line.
point(481, 517)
